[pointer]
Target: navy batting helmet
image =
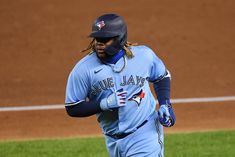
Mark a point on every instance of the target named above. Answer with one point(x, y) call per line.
point(110, 25)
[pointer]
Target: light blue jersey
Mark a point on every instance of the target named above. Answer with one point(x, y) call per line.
point(95, 80)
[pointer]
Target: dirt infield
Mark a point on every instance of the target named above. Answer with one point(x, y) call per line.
point(40, 43)
point(55, 123)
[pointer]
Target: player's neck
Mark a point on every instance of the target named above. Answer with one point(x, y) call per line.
point(115, 58)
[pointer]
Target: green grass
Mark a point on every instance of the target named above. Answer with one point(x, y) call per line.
point(83, 147)
point(209, 144)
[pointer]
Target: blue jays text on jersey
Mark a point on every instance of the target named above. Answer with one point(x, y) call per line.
point(109, 83)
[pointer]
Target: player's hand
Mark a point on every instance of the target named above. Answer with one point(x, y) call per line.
point(115, 100)
point(166, 115)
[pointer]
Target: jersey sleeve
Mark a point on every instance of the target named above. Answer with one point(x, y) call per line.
point(157, 68)
point(77, 87)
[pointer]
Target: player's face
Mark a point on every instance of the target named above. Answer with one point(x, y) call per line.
point(101, 44)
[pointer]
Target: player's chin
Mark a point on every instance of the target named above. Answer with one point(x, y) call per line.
point(101, 54)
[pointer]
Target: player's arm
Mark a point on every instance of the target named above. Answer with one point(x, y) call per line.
point(162, 90)
point(88, 108)
point(160, 77)
point(82, 109)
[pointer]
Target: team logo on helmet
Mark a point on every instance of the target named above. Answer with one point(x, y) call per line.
point(138, 97)
point(100, 24)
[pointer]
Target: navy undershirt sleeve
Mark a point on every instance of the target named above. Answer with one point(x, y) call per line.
point(162, 90)
point(83, 109)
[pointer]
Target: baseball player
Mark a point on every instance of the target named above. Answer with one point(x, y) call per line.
point(112, 81)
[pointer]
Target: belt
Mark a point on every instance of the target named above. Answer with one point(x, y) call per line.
point(123, 135)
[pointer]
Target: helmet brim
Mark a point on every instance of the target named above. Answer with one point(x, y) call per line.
point(103, 34)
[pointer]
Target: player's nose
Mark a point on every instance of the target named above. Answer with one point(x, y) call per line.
point(100, 45)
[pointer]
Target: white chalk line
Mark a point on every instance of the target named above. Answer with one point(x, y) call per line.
point(61, 106)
